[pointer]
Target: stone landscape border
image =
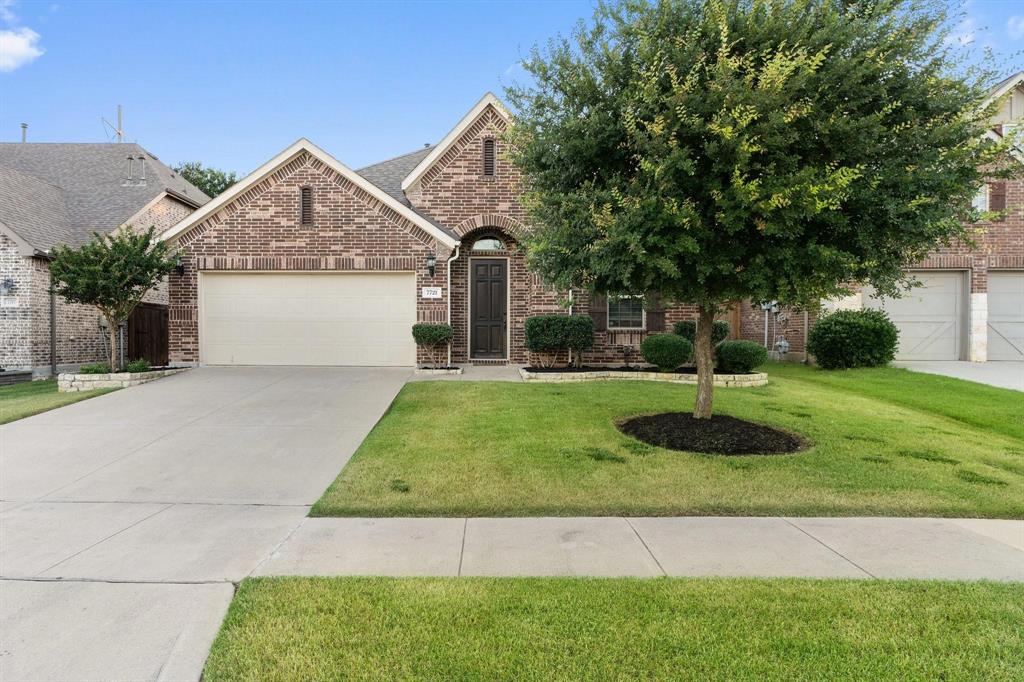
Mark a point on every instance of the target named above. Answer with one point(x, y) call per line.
point(431, 370)
point(722, 380)
point(69, 383)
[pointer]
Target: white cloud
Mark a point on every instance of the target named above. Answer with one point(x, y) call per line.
point(1015, 26)
point(6, 13)
point(964, 33)
point(18, 47)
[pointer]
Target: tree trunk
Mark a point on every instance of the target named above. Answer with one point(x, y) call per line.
point(704, 355)
point(112, 328)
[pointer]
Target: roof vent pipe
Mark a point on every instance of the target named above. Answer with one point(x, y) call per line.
point(131, 169)
point(24, 132)
point(142, 168)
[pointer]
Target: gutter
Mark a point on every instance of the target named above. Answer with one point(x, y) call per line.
point(458, 246)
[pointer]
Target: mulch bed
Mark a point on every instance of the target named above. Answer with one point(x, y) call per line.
point(720, 435)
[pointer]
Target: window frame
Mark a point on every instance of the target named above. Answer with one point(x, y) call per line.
point(608, 312)
point(983, 196)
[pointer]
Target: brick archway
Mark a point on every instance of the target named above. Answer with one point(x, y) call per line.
point(493, 221)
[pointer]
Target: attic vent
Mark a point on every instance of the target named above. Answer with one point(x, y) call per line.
point(306, 206)
point(489, 158)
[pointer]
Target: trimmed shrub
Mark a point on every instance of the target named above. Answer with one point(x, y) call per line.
point(549, 335)
point(666, 351)
point(688, 330)
point(853, 338)
point(432, 337)
point(739, 357)
point(95, 368)
point(140, 365)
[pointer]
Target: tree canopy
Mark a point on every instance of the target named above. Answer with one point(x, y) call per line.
point(763, 149)
point(211, 180)
point(111, 272)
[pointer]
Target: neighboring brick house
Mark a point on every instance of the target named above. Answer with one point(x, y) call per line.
point(971, 302)
point(308, 262)
point(56, 193)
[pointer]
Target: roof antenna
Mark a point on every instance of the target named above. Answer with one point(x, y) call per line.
point(119, 129)
point(24, 132)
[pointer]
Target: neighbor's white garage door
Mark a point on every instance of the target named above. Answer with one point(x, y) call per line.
point(1005, 315)
point(930, 317)
point(307, 319)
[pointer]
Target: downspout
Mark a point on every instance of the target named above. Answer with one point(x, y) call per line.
point(570, 300)
point(53, 333)
point(449, 286)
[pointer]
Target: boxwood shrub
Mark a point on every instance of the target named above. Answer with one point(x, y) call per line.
point(549, 335)
point(432, 337)
point(666, 351)
point(95, 368)
point(739, 357)
point(853, 338)
point(688, 330)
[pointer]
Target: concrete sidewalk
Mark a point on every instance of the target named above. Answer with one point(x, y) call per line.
point(954, 549)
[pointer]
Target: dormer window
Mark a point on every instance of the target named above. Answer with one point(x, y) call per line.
point(488, 158)
point(306, 206)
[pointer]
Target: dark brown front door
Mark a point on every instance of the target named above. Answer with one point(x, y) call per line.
point(487, 318)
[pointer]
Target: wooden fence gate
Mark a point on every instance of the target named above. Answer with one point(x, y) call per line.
point(147, 334)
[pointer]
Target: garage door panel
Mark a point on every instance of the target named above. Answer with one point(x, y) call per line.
point(929, 317)
point(308, 319)
point(1006, 316)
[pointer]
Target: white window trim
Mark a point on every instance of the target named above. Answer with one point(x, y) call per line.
point(980, 202)
point(608, 314)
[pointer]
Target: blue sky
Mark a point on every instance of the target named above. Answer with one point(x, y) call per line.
point(232, 83)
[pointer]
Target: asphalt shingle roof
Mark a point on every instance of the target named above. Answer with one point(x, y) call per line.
point(93, 185)
point(388, 176)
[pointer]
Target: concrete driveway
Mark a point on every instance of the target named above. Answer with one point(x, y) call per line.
point(1001, 374)
point(126, 519)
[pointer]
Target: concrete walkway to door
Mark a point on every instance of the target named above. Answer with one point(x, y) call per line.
point(125, 519)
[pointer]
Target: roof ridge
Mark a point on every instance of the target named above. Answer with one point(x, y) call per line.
point(395, 158)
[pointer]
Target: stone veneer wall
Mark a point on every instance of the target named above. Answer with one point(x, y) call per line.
point(25, 315)
point(260, 231)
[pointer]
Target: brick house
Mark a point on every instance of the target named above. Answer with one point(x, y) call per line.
point(308, 262)
point(57, 193)
point(971, 302)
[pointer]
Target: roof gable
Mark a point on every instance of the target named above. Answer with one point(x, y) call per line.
point(488, 101)
point(297, 149)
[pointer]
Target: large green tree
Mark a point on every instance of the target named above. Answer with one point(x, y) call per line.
point(112, 272)
point(212, 181)
point(719, 150)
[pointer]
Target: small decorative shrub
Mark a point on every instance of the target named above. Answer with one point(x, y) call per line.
point(140, 365)
point(739, 357)
point(853, 338)
point(666, 351)
point(433, 337)
point(95, 368)
point(688, 330)
point(550, 335)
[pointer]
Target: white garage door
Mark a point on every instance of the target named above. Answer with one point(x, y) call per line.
point(307, 319)
point(930, 317)
point(1005, 315)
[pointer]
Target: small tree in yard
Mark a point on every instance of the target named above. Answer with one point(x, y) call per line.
point(212, 181)
point(765, 149)
point(112, 272)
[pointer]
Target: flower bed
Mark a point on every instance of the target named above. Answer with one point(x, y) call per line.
point(69, 382)
point(630, 374)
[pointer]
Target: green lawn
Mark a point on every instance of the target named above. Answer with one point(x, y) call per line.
point(32, 397)
point(887, 442)
point(619, 629)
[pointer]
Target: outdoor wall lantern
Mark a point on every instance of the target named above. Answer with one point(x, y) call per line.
point(431, 263)
point(7, 286)
point(179, 266)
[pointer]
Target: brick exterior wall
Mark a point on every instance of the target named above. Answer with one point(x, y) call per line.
point(260, 231)
point(25, 315)
point(999, 245)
